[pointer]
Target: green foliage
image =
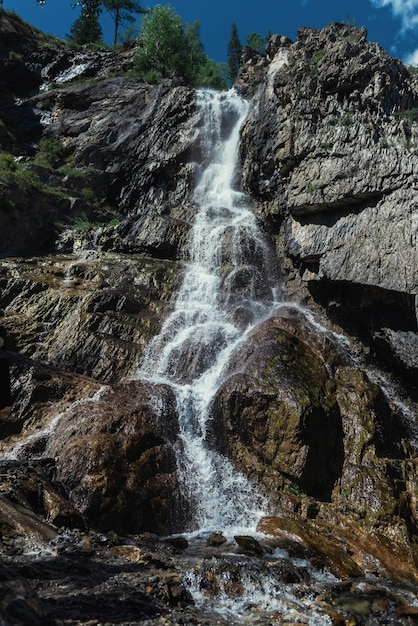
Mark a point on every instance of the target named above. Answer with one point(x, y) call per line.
point(211, 74)
point(82, 222)
point(8, 133)
point(14, 173)
point(412, 69)
point(312, 187)
point(294, 489)
point(86, 28)
point(256, 42)
point(165, 46)
point(152, 77)
point(410, 115)
point(51, 152)
point(121, 12)
point(234, 54)
point(347, 119)
point(317, 57)
point(162, 45)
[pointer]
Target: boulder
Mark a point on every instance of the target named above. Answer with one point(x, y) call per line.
point(305, 425)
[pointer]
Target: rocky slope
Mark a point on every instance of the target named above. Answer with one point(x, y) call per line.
point(96, 205)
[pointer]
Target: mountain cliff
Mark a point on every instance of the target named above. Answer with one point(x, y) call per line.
point(319, 406)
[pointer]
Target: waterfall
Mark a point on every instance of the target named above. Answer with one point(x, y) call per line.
point(225, 291)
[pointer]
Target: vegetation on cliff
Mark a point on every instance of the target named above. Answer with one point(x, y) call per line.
point(165, 46)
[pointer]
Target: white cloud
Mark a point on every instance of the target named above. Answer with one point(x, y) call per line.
point(411, 58)
point(405, 10)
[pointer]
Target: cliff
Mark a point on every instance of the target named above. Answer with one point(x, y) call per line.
point(330, 149)
point(319, 406)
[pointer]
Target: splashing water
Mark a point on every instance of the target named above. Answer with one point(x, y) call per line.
point(225, 291)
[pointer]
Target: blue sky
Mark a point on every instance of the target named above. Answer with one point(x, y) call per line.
point(392, 23)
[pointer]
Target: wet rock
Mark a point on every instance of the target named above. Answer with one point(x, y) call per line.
point(119, 466)
point(19, 604)
point(216, 539)
point(276, 412)
point(179, 543)
point(249, 544)
point(17, 521)
point(177, 595)
point(89, 314)
point(345, 548)
point(33, 503)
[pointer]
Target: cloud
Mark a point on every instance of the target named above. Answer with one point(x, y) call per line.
point(411, 58)
point(405, 10)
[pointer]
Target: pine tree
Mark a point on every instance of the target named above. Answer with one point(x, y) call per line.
point(121, 12)
point(234, 54)
point(86, 28)
point(256, 42)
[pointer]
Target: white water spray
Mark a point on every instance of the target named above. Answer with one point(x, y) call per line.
point(225, 291)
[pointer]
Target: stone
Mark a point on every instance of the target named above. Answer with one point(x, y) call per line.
point(179, 543)
point(216, 539)
point(274, 420)
point(249, 544)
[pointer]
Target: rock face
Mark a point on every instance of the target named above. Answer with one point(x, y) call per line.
point(97, 204)
point(298, 419)
point(329, 146)
point(111, 447)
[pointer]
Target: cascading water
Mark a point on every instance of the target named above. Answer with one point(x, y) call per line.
point(224, 292)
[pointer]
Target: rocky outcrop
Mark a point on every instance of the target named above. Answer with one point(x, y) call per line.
point(115, 147)
point(114, 161)
point(32, 60)
point(137, 136)
point(106, 454)
point(297, 418)
point(329, 146)
point(91, 314)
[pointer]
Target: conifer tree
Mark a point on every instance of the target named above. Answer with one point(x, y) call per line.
point(234, 54)
point(256, 42)
point(122, 14)
point(86, 28)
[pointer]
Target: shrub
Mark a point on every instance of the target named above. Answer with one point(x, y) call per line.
point(51, 152)
point(165, 46)
point(14, 173)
